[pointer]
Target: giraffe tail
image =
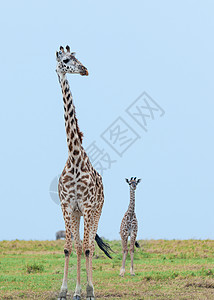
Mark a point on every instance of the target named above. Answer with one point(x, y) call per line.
point(137, 244)
point(103, 246)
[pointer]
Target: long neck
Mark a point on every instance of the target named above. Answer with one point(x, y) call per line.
point(74, 136)
point(131, 207)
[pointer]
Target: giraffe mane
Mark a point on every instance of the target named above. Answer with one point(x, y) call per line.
point(80, 134)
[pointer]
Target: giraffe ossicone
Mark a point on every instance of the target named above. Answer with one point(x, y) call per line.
point(129, 227)
point(80, 185)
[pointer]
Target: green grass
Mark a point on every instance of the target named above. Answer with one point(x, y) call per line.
point(164, 270)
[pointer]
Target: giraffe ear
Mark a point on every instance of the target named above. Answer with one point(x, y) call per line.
point(127, 180)
point(57, 56)
point(139, 180)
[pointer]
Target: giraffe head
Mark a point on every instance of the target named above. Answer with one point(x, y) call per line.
point(67, 62)
point(133, 182)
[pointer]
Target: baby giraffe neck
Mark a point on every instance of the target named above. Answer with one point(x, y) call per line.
point(131, 207)
point(74, 136)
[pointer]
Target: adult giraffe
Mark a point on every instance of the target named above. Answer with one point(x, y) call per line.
point(80, 185)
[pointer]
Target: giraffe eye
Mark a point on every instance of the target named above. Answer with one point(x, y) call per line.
point(66, 60)
point(60, 52)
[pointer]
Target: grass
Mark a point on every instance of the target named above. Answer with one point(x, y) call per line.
point(164, 270)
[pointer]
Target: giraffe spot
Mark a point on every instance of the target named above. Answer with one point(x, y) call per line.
point(67, 178)
point(68, 129)
point(71, 113)
point(81, 188)
point(75, 142)
point(68, 164)
point(70, 147)
point(72, 134)
point(78, 162)
point(83, 182)
point(70, 185)
point(72, 171)
point(82, 168)
point(69, 106)
point(76, 152)
point(85, 176)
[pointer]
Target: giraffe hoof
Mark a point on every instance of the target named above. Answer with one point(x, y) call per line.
point(132, 274)
point(62, 295)
point(76, 297)
point(90, 293)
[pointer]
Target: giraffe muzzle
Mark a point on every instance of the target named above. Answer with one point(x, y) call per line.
point(84, 72)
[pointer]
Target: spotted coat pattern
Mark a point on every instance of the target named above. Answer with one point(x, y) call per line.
point(80, 185)
point(129, 226)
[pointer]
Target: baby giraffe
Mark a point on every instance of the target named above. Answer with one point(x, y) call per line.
point(129, 227)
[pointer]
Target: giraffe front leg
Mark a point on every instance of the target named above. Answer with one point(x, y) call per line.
point(125, 252)
point(67, 251)
point(78, 247)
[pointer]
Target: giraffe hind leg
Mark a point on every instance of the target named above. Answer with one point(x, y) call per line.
point(132, 244)
point(90, 230)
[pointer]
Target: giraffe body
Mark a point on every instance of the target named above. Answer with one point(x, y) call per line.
point(80, 185)
point(129, 227)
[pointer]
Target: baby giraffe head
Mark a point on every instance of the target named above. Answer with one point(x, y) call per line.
point(133, 182)
point(67, 63)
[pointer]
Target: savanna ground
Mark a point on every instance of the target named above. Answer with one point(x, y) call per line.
point(164, 270)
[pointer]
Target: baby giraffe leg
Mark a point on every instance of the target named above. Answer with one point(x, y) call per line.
point(132, 243)
point(125, 251)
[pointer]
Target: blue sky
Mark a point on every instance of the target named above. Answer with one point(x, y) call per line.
point(163, 48)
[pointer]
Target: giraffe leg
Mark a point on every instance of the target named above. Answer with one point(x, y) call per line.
point(67, 251)
point(132, 244)
point(88, 248)
point(89, 287)
point(125, 251)
point(78, 246)
point(90, 230)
